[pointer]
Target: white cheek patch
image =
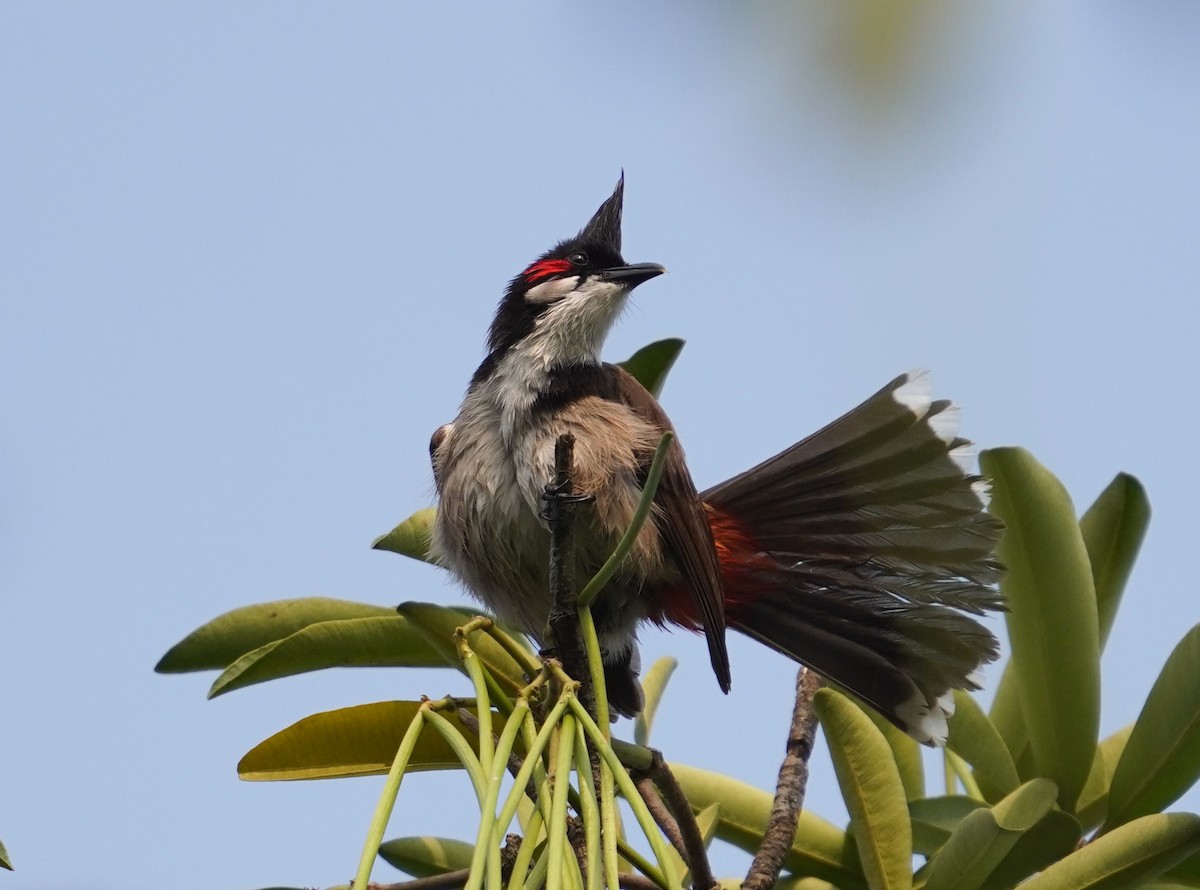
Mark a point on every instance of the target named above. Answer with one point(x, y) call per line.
point(552, 290)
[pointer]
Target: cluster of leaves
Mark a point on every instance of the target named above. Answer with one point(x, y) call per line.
point(1034, 796)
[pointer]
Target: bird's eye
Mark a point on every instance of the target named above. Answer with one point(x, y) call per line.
point(579, 258)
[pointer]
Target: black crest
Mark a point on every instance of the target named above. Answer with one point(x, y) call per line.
point(605, 226)
point(598, 244)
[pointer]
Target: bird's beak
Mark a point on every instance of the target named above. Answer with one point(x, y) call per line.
point(633, 274)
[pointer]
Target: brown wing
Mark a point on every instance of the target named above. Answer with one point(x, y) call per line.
point(684, 525)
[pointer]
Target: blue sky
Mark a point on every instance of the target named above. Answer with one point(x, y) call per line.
point(250, 253)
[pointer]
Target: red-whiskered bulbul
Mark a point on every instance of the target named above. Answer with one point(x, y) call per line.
point(855, 551)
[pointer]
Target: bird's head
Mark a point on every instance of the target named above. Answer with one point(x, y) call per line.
point(562, 305)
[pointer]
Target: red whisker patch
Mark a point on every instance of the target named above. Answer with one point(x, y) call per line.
point(544, 269)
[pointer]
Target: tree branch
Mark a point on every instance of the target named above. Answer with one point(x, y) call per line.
point(562, 629)
point(789, 790)
point(660, 812)
point(683, 831)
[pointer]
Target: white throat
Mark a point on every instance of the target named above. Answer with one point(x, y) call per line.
point(569, 333)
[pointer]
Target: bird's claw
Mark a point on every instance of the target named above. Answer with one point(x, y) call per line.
point(555, 497)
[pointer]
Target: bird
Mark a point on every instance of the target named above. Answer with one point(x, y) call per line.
point(863, 551)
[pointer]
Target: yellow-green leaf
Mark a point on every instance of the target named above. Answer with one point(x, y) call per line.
point(820, 849)
point(222, 640)
point(981, 841)
point(1162, 758)
point(651, 364)
point(1093, 800)
point(907, 753)
point(1186, 872)
point(654, 683)
point(1053, 838)
point(872, 790)
point(1052, 619)
point(357, 741)
point(423, 857)
point(973, 738)
point(381, 641)
point(1128, 856)
point(438, 623)
point(785, 883)
point(5, 862)
point(413, 537)
point(935, 818)
point(1113, 529)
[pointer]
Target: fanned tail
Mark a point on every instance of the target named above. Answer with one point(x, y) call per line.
point(857, 550)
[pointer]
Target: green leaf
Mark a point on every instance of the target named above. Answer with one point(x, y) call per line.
point(707, 821)
point(654, 683)
point(1052, 620)
point(1093, 800)
point(973, 738)
point(935, 818)
point(438, 623)
point(906, 751)
point(872, 789)
point(650, 364)
point(1162, 758)
point(222, 640)
point(1186, 872)
point(820, 849)
point(982, 840)
point(1006, 716)
point(1113, 529)
point(381, 641)
point(1052, 839)
point(357, 741)
point(1129, 856)
point(5, 862)
point(784, 883)
point(423, 857)
point(413, 537)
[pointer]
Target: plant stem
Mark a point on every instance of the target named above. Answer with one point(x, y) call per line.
point(387, 800)
point(650, 486)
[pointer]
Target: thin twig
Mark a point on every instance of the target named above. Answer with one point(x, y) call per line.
point(789, 790)
point(691, 839)
point(661, 813)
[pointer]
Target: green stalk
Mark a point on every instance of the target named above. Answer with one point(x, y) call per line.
point(532, 759)
point(591, 645)
point(483, 710)
point(537, 877)
point(529, 735)
point(557, 826)
point(487, 839)
point(610, 834)
point(525, 855)
point(588, 809)
point(387, 800)
point(462, 750)
point(666, 878)
point(613, 563)
point(513, 648)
